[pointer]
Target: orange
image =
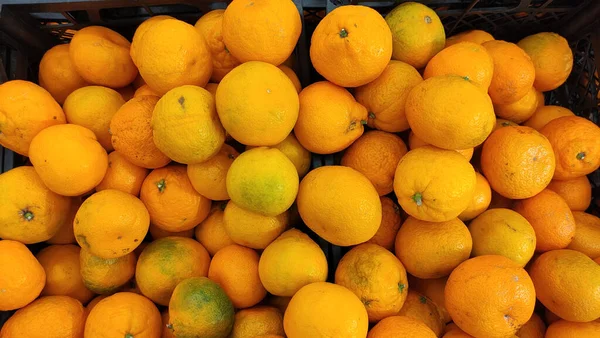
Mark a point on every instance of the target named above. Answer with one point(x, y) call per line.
point(293, 77)
point(325, 310)
point(185, 125)
point(166, 262)
point(68, 159)
point(550, 317)
point(47, 317)
point(503, 232)
point(501, 123)
point(351, 46)
point(145, 90)
point(257, 322)
point(209, 177)
point(482, 196)
point(111, 223)
point(577, 192)
point(271, 95)
point(132, 133)
point(428, 196)
point(158, 233)
point(475, 35)
point(22, 276)
point(517, 161)
point(211, 232)
point(58, 74)
point(421, 308)
point(552, 58)
point(61, 263)
point(280, 302)
point(385, 97)
point(490, 296)
point(432, 249)
point(545, 114)
point(262, 180)
point(534, 328)
point(522, 109)
point(292, 149)
point(514, 72)
point(126, 92)
point(329, 119)
point(210, 26)
point(122, 175)
point(137, 38)
point(199, 307)
point(65, 234)
point(101, 56)
point(93, 107)
point(340, 205)
point(212, 88)
point(467, 59)
point(283, 279)
point(456, 332)
point(566, 329)
point(576, 144)
point(450, 112)
point(235, 269)
point(29, 212)
point(551, 219)
point(172, 53)
point(166, 330)
point(433, 289)
point(26, 109)
point(390, 223)
point(376, 276)
point(376, 155)
point(105, 276)
point(418, 33)
point(587, 234)
point(408, 327)
point(252, 229)
point(415, 142)
point(554, 270)
point(171, 200)
point(261, 30)
point(124, 314)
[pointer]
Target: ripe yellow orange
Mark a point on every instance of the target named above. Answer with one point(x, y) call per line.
point(252, 229)
point(390, 223)
point(567, 329)
point(105, 276)
point(545, 114)
point(293, 77)
point(433, 289)
point(587, 234)
point(158, 233)
point(259, 321)
point(415, 142)
point(475, 35)
point(552, 58)
point(65, 234)
point(209, 177)
point(211, 232)
point(292, 149)
point(482, 197)
point(137, 38)
point(421, 308)
point(408, 327)
point(145, 90)
point(534, 328)
point(577, 192)
point(522, 109)
point(58, 74)
point(122, 175)
point(22, 276)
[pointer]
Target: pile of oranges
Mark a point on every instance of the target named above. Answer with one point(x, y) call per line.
point(170, 177)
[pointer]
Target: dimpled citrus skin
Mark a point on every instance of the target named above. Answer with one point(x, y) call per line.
point(47, 317)
point(210, 26)
point(567, 282)
point(145, 90)
point(482, 196)
point(576, 144)
point(450, 112)
point(300, 157)
point(385, 287)
point(252, 229)
point(25, 109)
point(257, 104)
point(261, 30)
point(209, 177)
point(391, 220)
point(93, 107)
point(545, 114)
point(171, 200)
point(65, 235)
point(587, 234)
point(68, 159)
point(433, 290)
point(185, 125)
point(534, 328)
point(385, 97)
point(329, 119)
point(29, 212)
point(211, 232)
point(358, 39)
point(426, 195)
point(122, 175)
point(418, 33)
point(325, 310)
point(517, 161)
point(475, 35)
point(432, 249)
point(392, 326)
point(132, 133)
point(466, 59)
point(339, 204)
point(292, 75)
point(503, 232)
point(22, 276)
point(552, 58)
point(577, 192)
point(566, 329)
point(101, 56)
point(263, 180)
point(521, 110)
point(421, 308)
point(105, 276)
point(490, 296)
point(57, 74)
point(415, 142)
point(172, 53)
point(257, 322)
point(111, 223)
point(137, 37)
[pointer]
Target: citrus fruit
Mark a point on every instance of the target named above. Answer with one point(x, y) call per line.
point(408, 327)
point(390, 223)
point(534, 328)
point(522, 109)
point(434, 291)
point(482, 196)
point(292, 75)
point(566, 329)
point(415, 142)
point(22, 276)
point(137, 38)
point(58, 74)
point(252, 229)
point(421, 308)
point(545, 114)
point(158, 233)
point(65, 234)
point(105, 276)
point(300, 157)
point(209, 177)
point(552, 58)
point(122, 175)
point(587, 234)
point(257, 322)
point(475, 35)
point(577, 192)
point(211, 232)
point(145, 90)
